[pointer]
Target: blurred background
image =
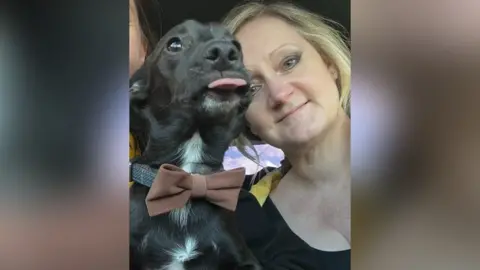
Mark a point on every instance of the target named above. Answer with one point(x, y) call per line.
point(415, 134)
point(64, 132)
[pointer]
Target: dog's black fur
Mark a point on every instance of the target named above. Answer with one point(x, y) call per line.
point(168, 96)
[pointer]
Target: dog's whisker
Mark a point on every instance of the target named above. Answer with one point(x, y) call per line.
point(197, 71)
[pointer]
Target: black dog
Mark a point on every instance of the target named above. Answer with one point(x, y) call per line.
point(187, 106)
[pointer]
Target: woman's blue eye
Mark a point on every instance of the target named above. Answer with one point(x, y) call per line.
point(290, 62)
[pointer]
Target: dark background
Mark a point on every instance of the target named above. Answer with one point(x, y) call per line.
point(176, 11)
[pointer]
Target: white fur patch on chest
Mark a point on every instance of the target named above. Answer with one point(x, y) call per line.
point(191, 153)
point(180, 216)
point(182, 254)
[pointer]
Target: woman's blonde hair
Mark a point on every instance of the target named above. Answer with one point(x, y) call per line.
point(318, 31)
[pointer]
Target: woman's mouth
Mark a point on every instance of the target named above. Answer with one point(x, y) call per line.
point(291, 112)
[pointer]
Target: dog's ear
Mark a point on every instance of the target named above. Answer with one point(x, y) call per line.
point(139, 84)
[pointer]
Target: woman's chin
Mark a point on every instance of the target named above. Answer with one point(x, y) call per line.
point(288, 138)
point(303, 133)
point(295, 141)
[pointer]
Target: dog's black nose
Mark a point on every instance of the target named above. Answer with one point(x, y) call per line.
point(223, 54)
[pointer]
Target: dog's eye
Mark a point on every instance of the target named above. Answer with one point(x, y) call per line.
point(174, 45)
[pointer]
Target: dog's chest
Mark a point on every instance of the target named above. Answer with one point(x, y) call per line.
point(200, 235)
point(183, 252)
point(191, 153)
point(196, 229)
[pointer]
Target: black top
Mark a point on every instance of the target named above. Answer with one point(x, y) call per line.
point(274, 244)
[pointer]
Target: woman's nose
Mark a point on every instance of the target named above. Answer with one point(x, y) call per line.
point(279, 92)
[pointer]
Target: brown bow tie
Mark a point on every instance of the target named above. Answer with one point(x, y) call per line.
point(173, 187)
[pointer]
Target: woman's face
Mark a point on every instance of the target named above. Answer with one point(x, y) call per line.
point(298, 98)
point(137, 50)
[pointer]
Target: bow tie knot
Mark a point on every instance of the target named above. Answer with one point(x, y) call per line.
point(199, 186)
point(173, 188)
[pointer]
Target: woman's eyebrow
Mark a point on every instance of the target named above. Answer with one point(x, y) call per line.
point(280, 48)
point(252, 70)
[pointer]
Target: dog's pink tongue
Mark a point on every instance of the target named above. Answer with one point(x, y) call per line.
point(227, 83)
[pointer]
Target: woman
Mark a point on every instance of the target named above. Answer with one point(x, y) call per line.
point(144, 33)
point(301, 75)
point(144, 30)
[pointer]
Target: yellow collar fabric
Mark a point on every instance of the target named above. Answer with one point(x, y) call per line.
point(134, 152)
point(261, 190)
point(134, 149)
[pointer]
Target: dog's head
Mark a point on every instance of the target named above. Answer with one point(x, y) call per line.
point(195, 65)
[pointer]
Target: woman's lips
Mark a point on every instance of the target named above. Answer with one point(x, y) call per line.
point(292, 112)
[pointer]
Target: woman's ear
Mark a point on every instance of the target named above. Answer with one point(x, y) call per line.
point(333, 72)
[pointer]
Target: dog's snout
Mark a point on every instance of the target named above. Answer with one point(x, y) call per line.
point(222, 52)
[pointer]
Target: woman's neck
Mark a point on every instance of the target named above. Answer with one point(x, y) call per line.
point(321, 173)
point(325, 159)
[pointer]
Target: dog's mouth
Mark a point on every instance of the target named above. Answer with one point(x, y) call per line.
point(227, 83)
point(226, 89)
